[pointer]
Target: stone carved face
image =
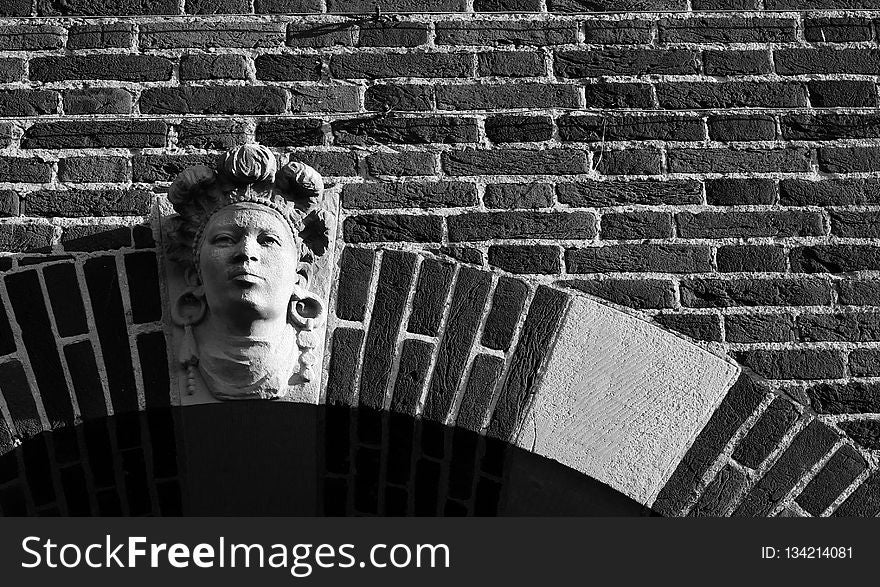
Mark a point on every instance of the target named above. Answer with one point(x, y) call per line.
point(248, 265)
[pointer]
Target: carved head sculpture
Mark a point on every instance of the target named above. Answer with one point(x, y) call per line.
point(244, 233)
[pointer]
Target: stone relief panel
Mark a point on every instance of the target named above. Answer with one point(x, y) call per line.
point(247, 253)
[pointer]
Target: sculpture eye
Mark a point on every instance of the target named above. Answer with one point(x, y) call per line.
point(268, 238)
point(223, 239)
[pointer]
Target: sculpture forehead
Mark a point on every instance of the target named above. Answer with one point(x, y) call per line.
point(248, 215)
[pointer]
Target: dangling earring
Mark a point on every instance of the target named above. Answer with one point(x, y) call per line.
point(189, 310)
point(306, 312)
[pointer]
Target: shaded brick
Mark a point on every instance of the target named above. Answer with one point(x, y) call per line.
point(852, 397)
point(442, 194)
point(745, 224)
point(760, 258)
point(77, 203)
point(280, 133)
point(795, 363)
point(647, 258)
point(207, 34)
point(506, 128)
point(518, 195)
point(105, 7)
point(438, 129)
point(16, 238)
point(510, 64)
point(842, 469)
point(859, 224)
point(636, 225)
point(223, 134)
point(11, 70)
point(97, 101)
point(719, 293)
point(504, 96)
point(82, 364)
point(10, 205)
point(514, 162)
point(735, 192)
point(697, 326)
point(19, 399)
point(31, 37)
point(463, 253)
point(387, 97)
point(154, 369)
point(759, 328)
point(213, 67)
point(95, 134)
point(415, 358)
point(395, 277)
point(825, 192)
point(477, 226)
point(100, 36)
point(361, 6)
point(565, 6)
point(96, 237)
point(214, 100)
point(66, 300)
point(143, 287)
point(807, 447)
point(428, 304)
point(864, 362)
point(723, 63)
point(600, 128)
point(606, 62)
point(344, 360)
point(721, 494)
point(17, 8)
point(28, 102)
point(618, 32)
point(742, 128)
point(504, 5)
point(338, 98)
point(354, 281)
point(628, 162)
point(862, 292)
point(838, 30)
point(690, 95)
point(507, 305)
point(93, 169)
point(215, 7)
point(768, 431)
point(392, 227)
point(479, 391)
point(24, 170)
point(289, 67)
point(849, 327)
point(834, 258)
point(738, 161)
point(847, 159)
point(319, 34)
point(632, 293)
point(332, 163)
point(133, 68)
point(402, 163)
point(864, 502)
point(831, 93)
point(826, 61)
point(618, 192)
point(153, 168)
point(517, 33)
point(525, 258)
point(619, 95)
point(433, 65)
point(830, 125)
point(864, 432)
point(728, 30)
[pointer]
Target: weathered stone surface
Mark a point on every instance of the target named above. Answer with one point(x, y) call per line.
point(507, 305)
point(477, 226)
point(828, 192)
point(858, 292)
point(618, 32)
point(626, 258)
point(479, 391)
point(825, 126)
point(355, 272)
point(428, 304)
point(842, 469)
point(807, 447)
point(415, 358)
point(628, 162)
point(344, 360)
point(864, 362)
point(826, 61)
point(853, 397)
point(442, 194)
point(721, 494)
point(742, 128)
point(619, 95)
point(832, 93)
point(465, 310)
point(632, 293)
point(616, 192)
point(849, 159)
point(765, 435)
point(11, 70)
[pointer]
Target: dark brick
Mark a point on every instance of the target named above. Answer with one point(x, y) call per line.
point(831, 93)
point(514, 162)
point(280, 133)
point(18, 8)
point(847, 159)
point(852, 397)
point(286, 6)
point(393, 34)
point(837, 474)
point(861, 292)
point(697, 326)
point(217, 7)
point(510, 64)
point(619, 95)
point(838, 30)
point(206, 34)
point(636, 225)
point(24, 170)
point(93, 169)
point(86, 379)
point(344, 360)
point(536, 338)
point(607, 62)
point(133, 68)
point(525, 258)
point(639, 258)
point(438, 129)
point(16, 238)
point(690, 95)
point(28, 102)
point(507, 5)
point(96, 237)
point(728, 30)
point(463, 253)
point(10, 205)
point(825, 192)
point(143, 287)
point(289, 67)
point(830, 125)
point(517, 33)
point(223, 134)
point(507, 305)
point(618, 32)
point(7, 340)
point(415, 358)
point(826, 61)
point(435, 279)
point(506, 96)
point(849, 327)
point(213, 67)
point(214, 100)
point(332, 163)
point(321, 34)
point(738, 161)
point(364, 6)
point(367, 228)
point(105, 7)
point(719, 293)
point(723, 63)
point(864, 432)
point(721, 494)
point(759, 328)
point(743, 258)
point(632, 293)
point(479, 391)
point(402, 97)
point(402, 163)
point(154, 368)
point(507, 128)
point(767, 432)
point(31, 37)
point(31, 313)
point(628, 162)
point(849, 223)
point(66, 300)
point(864, 502)
point(354, 281)
point(613, 6)
point(808, 447)
point(100, 36)
point(740, 402)
point(749, 224)
point(338, 98)
point(518, 195)
point(153, 168)
point(95, 134)
point(444, 194)
point(742, 128)
point(433, 65)
point(395, 277)
point(19, 399)
point(469, 296)
point(478, 226)
point(864, 362)
point(11, 70)
point(97, 101)
point(77, 203)
point(600, 128)
point(834, 258)
point(795, 363)
point(615, 192)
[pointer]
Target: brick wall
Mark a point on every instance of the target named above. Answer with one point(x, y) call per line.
point(717, 171)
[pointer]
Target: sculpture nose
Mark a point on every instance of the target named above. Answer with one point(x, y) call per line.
point(248, 250)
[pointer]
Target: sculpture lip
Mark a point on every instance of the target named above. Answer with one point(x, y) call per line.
point(242, 273)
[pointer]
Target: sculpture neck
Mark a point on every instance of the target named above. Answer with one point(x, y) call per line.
point(244, 325)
